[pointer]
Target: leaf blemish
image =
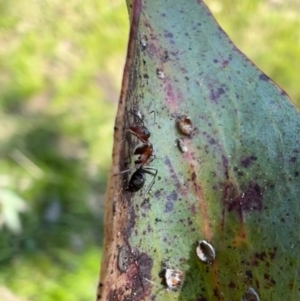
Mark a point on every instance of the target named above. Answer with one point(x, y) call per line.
point(172, 279)
point(246, 162)
point(263, 77)
point(251, 199)
point(143, 41)
point(160, 74)
point(205, 252)
point(169, 207)
point(123, 259)
point(185, 125)
point(168, 34)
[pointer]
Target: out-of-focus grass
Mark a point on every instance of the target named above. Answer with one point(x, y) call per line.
point(60, 72)
point(66, 276)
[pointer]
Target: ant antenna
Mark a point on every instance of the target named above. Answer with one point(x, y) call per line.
point(154, 115)
point(155, 284)
point(153, 172)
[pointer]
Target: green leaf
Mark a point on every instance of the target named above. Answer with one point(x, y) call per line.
point(11, 205)
point(237, 185)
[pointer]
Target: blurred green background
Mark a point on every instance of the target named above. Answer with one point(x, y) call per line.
point(61, 67)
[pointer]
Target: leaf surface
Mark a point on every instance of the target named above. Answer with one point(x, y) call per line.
point(237, 186)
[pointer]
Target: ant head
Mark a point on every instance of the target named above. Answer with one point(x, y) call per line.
point(140, 131)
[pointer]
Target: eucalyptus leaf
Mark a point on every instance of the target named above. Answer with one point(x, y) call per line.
point(223, 212)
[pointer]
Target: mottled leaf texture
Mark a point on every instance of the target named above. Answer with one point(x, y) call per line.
point(221, 221)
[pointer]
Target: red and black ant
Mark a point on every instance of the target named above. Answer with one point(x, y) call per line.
point(145, 152)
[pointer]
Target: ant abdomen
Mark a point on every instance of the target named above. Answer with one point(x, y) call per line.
point(137, 181)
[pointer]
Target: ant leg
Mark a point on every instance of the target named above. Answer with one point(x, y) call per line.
point(153, 111)
point(153, 172)
point(122, 172)
point(137, 114)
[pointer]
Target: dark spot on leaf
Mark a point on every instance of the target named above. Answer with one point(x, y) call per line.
point(157, 193)
point(293, 159)
point(225, 165)
point(165, 56)
point(240, 173)
point(263, 77)
point(152, 49)
point(172, 196)
point(246, 162)
point(296, 174)
point(217, 293)
point(265, 257)
point(215, 94)
point(114, 208)
point(193, 209)
point(183, 70)
point(221, 91)
point(283, 93)
point(231, 285)
point(249, 274)
point(169, 206)
point(252, 198)
point(146, 204)
point(272, 253)
point(270, 281)
point(140, 270)
point(201, 298)
point(225, 63)
point(212, 141)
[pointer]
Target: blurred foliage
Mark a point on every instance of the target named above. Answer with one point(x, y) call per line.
point(60, 73)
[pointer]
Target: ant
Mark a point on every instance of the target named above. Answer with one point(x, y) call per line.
point(145, 152)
